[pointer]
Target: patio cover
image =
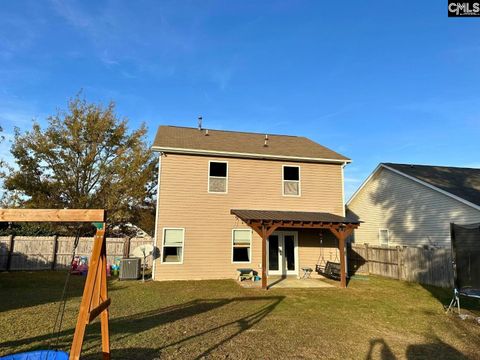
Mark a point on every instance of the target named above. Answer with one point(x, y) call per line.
point(265, 222)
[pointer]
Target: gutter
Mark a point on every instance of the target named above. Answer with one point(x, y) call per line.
point(248, 155)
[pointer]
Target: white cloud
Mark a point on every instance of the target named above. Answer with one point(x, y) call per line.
point(118, 33)
point(72, 13)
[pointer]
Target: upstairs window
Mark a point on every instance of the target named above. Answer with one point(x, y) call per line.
point(173, 240)
point(291, 180)
point(242, 244)
point(383, 237)
point(217, 177)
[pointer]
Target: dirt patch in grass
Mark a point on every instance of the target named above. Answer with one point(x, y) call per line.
point(373, 319)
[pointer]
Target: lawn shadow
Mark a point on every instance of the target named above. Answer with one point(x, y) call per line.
point(244, 323)
point(379, 349)
point(16, 289)
point(437, 349)
point(123, 327)
point(130, 353)
point(385, 351)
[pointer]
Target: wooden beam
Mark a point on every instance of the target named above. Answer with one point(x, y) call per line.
point(311, 226)
point(96, 278)
point(52, 215)
point(264, 257)
point(266, 231)
point(342, 235)
point(104, 315)
point(96, 311)
point(343, 270)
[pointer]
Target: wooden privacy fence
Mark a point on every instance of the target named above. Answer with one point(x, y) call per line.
point(55, 252)
point(430, 266)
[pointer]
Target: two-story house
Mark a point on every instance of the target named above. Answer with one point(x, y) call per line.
point(229, 200)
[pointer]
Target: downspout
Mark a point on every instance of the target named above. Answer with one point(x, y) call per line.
point(157, 215)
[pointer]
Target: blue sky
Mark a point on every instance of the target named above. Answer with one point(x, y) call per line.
point(378, 81)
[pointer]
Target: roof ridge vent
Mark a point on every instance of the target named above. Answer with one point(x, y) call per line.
point(265, 144)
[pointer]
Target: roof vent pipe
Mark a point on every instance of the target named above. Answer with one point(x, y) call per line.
point(206, 132)
point(200, 123)
point(266, 141)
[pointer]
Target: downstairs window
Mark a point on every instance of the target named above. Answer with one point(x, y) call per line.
point(242, 245)
point(172, 246)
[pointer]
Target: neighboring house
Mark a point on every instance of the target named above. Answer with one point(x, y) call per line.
point(230, 200)
point(131, 230)
point(414, 205)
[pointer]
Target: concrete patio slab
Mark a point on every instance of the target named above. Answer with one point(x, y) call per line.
point(275, 282)
point(293, 282)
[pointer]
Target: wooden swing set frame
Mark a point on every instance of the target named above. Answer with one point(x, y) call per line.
point(95, 300)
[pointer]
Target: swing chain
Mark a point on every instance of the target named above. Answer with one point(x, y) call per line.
point(57, 327)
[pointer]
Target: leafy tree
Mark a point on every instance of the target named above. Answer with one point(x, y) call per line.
point(85, 158)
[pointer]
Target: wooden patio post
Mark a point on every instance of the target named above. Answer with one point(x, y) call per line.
point(341, 234)
point(264, 257)
point(343, 273)
point(264, 230)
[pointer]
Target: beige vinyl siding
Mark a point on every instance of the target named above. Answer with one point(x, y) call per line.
point(311, 252)
point(413, 213)
point(252, 184)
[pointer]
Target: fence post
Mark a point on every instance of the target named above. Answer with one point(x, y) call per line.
point(399, 262)
point(126, 247)
point(10, 251)
point(367, 255)
point(55, 250)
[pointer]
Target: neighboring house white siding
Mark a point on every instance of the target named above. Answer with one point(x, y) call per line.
point(414, 214)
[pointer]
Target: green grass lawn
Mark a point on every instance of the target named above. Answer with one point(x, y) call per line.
point(372, 319)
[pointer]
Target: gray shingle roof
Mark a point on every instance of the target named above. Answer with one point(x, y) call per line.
point(461, 182)
point(233, 142)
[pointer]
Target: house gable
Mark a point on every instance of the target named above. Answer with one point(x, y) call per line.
point(415, 179)
point(414, 214)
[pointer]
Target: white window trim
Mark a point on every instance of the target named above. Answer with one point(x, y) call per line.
point(208, 176)
point(250, 252)
point(388, 237)
point(299, 181)
point(163, 245)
